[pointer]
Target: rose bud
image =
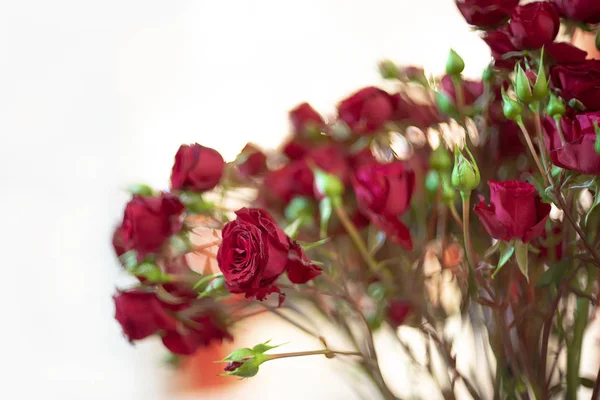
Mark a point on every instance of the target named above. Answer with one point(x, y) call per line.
point(587, 11)
point(255, 252)
point(575, 150)
point(367, 110)
point(397, 311)
point(197, 168)
point(306, 121)
point(200, 331)
point(141, 314)
point(383, 193)
point(454, 64)
point(471, 90)
point(486, 13)
point(500, 44)
point(294, 179)
point(533, 25)
point(149, 221)
point(579, 81)
point(251, 161)
point(465, 174)
point(516, 211)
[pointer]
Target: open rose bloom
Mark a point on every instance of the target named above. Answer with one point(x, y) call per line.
point(406, 211)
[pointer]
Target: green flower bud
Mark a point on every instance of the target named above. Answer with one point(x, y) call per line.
point(488, 74)
point(448, 192)
point(300, 207)
point(577, 105)
point(511, 108)
point(454, 64)
point(327, 184)
point(556, 106)
point(522, 86)
point(388, 69)
point(597, 142)
point(432, 181)
point(440, 159)
point(598, 39)
point(140, 189)
point(445, 104)
point(465, 175)
point(245, 362)
point(540, 89)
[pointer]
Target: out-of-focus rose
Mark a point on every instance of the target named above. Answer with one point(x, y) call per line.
point(293, 179)
point(533, 25)
point(486, 13)
point(565, 53)
point(306, 121)
point(500, 44)
point(471, 90)
point(367, 110)
point(255, 252)
point(422, 115)
point(587, 11)
point(141, 314)
point(196, 168)
point(148, 222)
point(251, 161)
point(577, 153)
point(516, 211)
point(579, 81)
point(383, 192)
point(199, 331)
point(331, 159)
point(397, 311)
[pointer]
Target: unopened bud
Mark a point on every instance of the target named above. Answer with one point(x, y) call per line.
point(440, 159)
point(465, 175)
point(556, 106)
point(488, 74)
point(522, 86)
point(597, 142)
point(388, 69)
point(511, 108)
point(445, 104)
point(577, 105)
point(454, 64)
point(140, 189)
point(540, 89)
point(598, 39)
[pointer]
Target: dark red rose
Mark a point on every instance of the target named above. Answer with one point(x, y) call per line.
point(577, 153)
point(500, 44)
point(117, 242)
point(295, 149)
point(251, 161)
point(367, 110)
point(294, 179)
point(579, 81)
point(421, 115)
point(196, 168)
point(507, 142)
point(331, 159)
point(471, 90)
point(533, 25)
point(255, 252)
point(193, 333)
point(516, 211)
point(587, 11)
point(149, 221)
point(141, 314)
point(565, 53)
point(306, 121)
point(383, 192)
point(397, 311)
point(486, 12)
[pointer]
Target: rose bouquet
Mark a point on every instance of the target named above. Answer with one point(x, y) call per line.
point(444, 199)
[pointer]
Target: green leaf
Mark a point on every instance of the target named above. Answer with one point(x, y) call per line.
point(587, 382)
point(311, 245)
point(203, 282)
point(292, 229)
point(594, 205)
point(375, 240)
point(129, 259)
point(506, 251)
point(554, 274)
point(493, 249)
point(150, 271)
point(521, 252)
point(325, 210)
point(216, 288)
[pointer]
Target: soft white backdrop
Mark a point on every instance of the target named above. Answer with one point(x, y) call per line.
point(98, 94)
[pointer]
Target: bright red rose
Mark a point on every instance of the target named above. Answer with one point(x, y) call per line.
point(579, 81)
point(565, 53)
point(533, 25)
point(471, 90)
point(294, 179)
point(295, 149)
point(251, 161)
point(255, 252)
point(486, 12)
point(516, 211)
point(577, 153)
point(367, 110)
point(306, 121)
point(383, 192)
point(397, 311)
point(196, 168)
point(587, 11)
point(500, 44)
point(141, 314)
point(149, 221)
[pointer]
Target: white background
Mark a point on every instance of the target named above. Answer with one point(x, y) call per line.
point(98, 94)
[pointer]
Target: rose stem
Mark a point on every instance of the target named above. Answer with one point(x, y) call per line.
point(290, 321)
point(540, 137)
point(466, 203)
point(455, 215)
point(326, 352)
point(532, 150)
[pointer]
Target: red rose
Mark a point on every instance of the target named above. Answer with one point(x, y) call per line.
point(251, 161)
point(565, 53)
point(533, 25)
point(471, 90)
point(579, 81)
point(367, 110)
point(331, 159)
point(500, 44)
point(578, 153)
point(516, 211)
point(149, 221)
point(255, 252)
point(295, 149)
point(397, 311)
point(195, 332)
point(196, 168)
point(486, 12)
point(383, 192)
point(587, 11)
point(117, 242)
point(294, 179)
point(506, 143)
point(421, 115)
point(141, 314)
point(306, 121)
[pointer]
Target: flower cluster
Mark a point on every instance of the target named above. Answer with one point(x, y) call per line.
point(367, 216)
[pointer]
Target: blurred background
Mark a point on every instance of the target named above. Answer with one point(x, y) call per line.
point(97, 95)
